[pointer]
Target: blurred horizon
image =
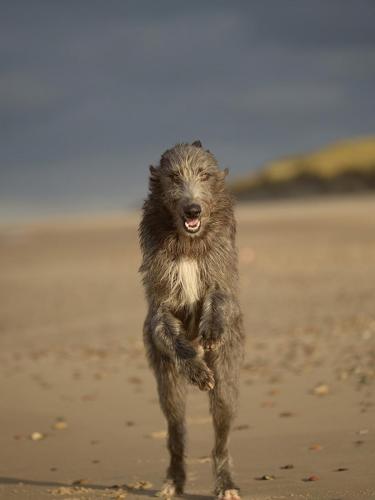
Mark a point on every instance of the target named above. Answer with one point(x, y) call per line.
point(92, 93)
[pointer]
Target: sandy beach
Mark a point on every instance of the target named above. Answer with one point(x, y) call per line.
point(79, 412)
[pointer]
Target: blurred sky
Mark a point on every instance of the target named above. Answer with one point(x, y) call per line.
point(91, 92)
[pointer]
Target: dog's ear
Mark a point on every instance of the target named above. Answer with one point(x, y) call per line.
point(154, 175)
point(197, 144)
point(223, 173)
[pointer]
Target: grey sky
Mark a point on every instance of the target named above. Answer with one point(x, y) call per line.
point(91, 92)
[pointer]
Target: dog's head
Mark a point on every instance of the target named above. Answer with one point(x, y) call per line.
point(189, 184)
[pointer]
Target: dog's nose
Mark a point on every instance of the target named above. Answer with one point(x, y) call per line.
point(193, 210)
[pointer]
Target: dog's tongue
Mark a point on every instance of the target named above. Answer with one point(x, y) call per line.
point(192, 223)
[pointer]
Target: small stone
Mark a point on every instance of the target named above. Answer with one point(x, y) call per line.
point(286, 414)
point(79, 482)
point(287, 467)
point(312, 478)
point(266, 477)
point(321, 390)
point(316, 447)
point(60, 425)
point(37, 436)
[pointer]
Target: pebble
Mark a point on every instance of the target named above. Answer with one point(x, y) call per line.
point(266, 477)
point(321, 390)
point(316, 447)
point(312, 478)
point(60, 425)
point(37, 436)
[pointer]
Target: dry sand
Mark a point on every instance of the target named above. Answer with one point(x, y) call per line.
point(72, 366)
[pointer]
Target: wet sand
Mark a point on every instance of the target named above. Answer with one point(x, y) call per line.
point(73, 371)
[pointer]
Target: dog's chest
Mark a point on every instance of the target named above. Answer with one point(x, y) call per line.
point(187, 281)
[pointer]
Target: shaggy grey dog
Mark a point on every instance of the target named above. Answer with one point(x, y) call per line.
point(193, 330)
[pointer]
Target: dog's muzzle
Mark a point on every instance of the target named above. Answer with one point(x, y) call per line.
point(191, 217)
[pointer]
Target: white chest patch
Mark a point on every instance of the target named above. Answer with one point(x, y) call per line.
point(188, 279)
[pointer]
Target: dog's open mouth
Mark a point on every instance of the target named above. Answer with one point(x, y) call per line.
point(192, 225)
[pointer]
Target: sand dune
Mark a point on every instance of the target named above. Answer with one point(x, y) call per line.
point(346, 166)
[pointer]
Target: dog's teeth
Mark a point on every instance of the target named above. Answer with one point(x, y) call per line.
point(192, 225)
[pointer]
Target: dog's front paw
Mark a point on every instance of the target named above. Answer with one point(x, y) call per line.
point(211, 343)
point(206, 380)
point(211, 340)
point(200, 375)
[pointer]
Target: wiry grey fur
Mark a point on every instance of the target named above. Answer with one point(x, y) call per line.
point(193, 330)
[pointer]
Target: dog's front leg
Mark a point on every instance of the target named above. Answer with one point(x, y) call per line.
point(216, 313)
point(168, 337)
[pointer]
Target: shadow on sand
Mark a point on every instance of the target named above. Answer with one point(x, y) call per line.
point(13, 481)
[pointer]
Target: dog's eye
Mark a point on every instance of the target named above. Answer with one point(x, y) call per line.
point(205, 176)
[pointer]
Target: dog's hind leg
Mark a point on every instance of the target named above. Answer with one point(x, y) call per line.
point(172, 396)
point(223, 402)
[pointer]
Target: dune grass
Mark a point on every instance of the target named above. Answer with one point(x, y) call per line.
point(346, 166)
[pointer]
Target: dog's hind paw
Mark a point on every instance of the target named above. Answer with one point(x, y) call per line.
point(229, 495)
point(168, 490)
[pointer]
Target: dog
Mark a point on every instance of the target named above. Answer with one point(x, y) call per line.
point(193, 332)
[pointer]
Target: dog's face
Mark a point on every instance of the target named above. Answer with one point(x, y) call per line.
point(190, 181)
